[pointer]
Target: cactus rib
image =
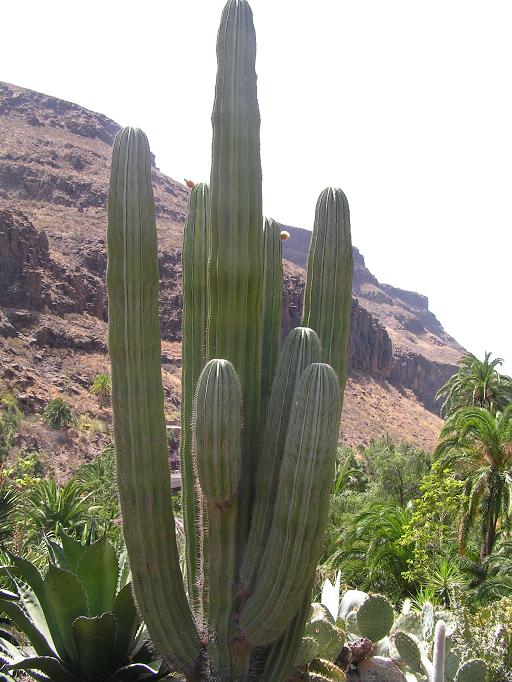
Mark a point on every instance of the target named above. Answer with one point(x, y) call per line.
point(217, 426)
point(296, 534)
point(328, 297)
point(137, 400)
point(271, 306)
point(194, 262)
point(235, 256)
point(301, 349)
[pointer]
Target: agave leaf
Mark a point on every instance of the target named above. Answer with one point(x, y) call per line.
point(136, 672)
point(98, 571)
point(56, 553)
point(73, 551)
point(67, 600)
point(331, 595)
point(48, 665)
point(30, 586)
point(127, 624)
point(24, 623)
point(8, 652)
point(125, 574)
point(95, 640)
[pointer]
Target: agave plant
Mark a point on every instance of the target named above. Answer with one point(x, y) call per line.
point(80, 619)
point(57, 414)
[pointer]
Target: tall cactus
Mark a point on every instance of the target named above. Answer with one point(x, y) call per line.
point(327, 298)
point(193, 360)
point(258, 479)
point(137, 402)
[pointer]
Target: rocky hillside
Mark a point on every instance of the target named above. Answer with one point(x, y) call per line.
point(54, 165)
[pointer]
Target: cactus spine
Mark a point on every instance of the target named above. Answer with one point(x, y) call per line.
point(292, 550)
point(328, 299)
point(137, 401)
point(236, 237)
point(272, 295)
point(193, 360)
point(262, 485)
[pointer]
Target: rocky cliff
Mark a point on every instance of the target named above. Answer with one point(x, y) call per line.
point(54, 165)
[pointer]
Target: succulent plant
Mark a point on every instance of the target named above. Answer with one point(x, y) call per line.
point(80, 619)
point(322, 637)
point(446, 661)
point(259, 424)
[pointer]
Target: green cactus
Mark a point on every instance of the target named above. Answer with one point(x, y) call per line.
point(375, 617)
point(194, 263)
point(326, 670)
point(446, 661)
point(272, 300)
point(322, 638)
point(472, 671)
point(327, 298)
point(409, 650)
point(137, 402)
point(256, 481)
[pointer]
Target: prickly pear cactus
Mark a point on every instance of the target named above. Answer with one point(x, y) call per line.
point(375, 617)
point(472, 671)
point(322, 638)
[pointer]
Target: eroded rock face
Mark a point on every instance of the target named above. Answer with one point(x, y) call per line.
point(30, 278)
point(54, 166)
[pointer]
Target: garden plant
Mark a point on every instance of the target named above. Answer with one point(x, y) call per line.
point(259, 427)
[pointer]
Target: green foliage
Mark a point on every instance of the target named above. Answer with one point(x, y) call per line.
point(393, 472)
point(431, 530)
point(10, 417)
point(102, 388)
point(478, 444)
point(97, 481)
point(80, 618)
point(369, 549)
point(57, 414)
point(477, 383)
point(52, 508)
point(9, 501)
point(26, 470)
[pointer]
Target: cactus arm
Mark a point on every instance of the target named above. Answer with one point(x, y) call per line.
point(300, 349)
point(271, 306)
point(283, 653)
point(300, 514)
point(217, 427)
point(235, 260)
point(137, 400)
point(328, 293)
point(193, 359)
point(439, 652)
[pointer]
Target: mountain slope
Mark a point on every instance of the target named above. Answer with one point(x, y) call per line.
point(54, 166)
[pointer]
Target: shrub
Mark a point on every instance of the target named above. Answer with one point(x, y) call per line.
point(57, 414)
point(102, 388)
point(10, 417)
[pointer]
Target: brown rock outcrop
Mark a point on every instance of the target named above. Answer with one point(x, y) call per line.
point(54, 167)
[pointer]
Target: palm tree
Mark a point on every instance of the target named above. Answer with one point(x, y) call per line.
point(371, 548)
point(478, 444)
point(477, 383)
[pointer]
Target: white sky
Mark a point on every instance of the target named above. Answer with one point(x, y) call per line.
point(405, 104)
